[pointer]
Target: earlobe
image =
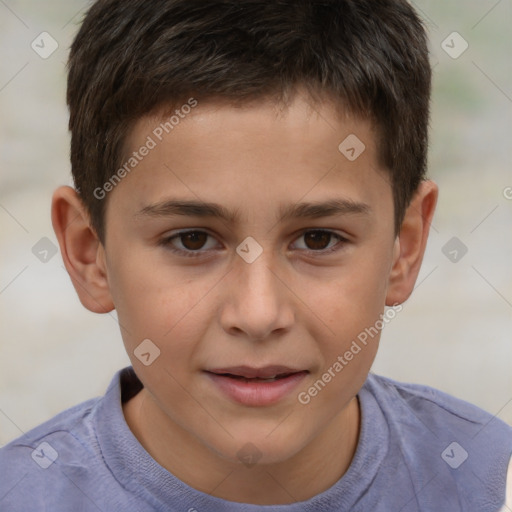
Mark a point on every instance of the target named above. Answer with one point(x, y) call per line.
point(411, 243)
point(82, 252)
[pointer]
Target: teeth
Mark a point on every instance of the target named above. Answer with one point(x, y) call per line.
point(267, 379)
point(247, 379)
point(261, 379)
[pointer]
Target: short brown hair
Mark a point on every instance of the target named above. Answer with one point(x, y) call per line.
point(132, 57)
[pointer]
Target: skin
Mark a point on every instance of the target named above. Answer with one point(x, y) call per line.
point(295, 305)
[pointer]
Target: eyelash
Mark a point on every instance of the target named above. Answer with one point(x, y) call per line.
point(166, 242)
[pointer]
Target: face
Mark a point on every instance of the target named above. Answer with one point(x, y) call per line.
point(283, 282)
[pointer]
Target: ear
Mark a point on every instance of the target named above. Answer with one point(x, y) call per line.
point(82, 252)
point(411, 243)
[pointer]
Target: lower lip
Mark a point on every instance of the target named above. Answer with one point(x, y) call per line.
point(257, 393)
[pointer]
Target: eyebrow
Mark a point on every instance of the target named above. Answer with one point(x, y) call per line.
point(310, 210)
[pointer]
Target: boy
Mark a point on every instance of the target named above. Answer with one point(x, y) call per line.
point(214, 146)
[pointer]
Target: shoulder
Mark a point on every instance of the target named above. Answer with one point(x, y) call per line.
point(60, 465)
point(448, 446)
point(68, 427)
point(433, 407)
point(31, 464)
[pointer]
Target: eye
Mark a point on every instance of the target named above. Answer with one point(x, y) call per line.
point(317, 240)
point(191, 242)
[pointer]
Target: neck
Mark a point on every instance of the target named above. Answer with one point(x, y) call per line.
point(309, 472)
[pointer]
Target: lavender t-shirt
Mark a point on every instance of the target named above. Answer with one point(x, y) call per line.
point(419, 450)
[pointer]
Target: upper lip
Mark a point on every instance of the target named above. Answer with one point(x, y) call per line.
point(251, 373)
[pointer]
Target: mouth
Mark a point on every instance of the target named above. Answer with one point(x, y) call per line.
point(255, 379)
point(256, 386)
point(267, 373)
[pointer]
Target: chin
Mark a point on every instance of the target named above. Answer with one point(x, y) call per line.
point(260, 448)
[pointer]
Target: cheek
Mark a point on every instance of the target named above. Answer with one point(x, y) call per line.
point(354, 299)
point(159, 305)
point(139, 287)
point(351, 306)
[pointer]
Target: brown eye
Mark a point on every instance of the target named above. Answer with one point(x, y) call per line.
point(320, 241)
point(317, 240)
point(189, 243)
point(193, 240)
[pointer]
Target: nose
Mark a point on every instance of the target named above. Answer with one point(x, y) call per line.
point(258, 303)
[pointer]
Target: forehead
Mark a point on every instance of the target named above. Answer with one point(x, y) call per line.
point(258, 155)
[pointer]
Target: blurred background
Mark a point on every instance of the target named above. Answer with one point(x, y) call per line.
point(454, 333)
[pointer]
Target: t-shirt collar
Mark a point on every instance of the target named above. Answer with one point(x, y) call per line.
point(135, 469)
